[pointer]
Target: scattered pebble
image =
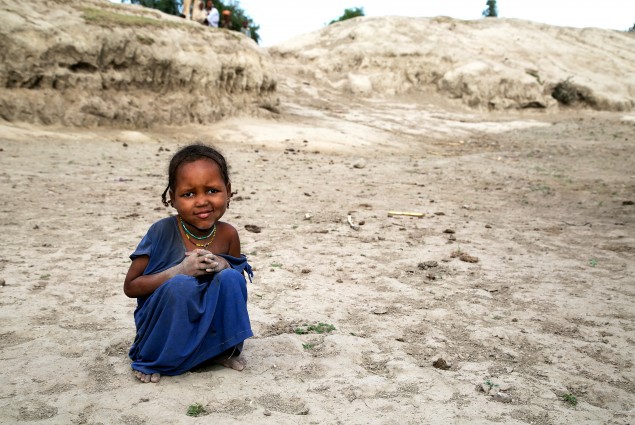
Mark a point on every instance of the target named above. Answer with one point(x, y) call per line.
point(3, 282)
point(428, 265)
point(440, 363)
point(36, 227)
point(464, 256)
point(306, 271)
point(360, 163)
point(380, 310)
point(628, 203)
point(502, 397)
point(267, 412)
point(253, 228)
point(450, 231)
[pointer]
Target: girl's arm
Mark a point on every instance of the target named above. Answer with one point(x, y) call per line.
point(136, 284)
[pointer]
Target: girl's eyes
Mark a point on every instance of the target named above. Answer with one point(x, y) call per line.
point(190, 194)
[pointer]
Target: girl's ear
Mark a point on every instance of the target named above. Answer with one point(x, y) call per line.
point(171, 193)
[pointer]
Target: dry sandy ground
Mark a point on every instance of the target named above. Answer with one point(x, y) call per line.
point(542, 203)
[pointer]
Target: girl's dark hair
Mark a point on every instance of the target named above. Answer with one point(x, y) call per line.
point(189, 154)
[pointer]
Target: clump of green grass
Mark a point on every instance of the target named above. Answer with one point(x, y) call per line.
point(570, 399)
point(195, 410)
point(308, 346)
point(320, 328)
point(108, 18)
point(593, 262)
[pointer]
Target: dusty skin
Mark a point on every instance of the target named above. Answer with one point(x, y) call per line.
point(544, 202)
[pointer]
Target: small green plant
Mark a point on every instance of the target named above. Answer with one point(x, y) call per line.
point(570, 399)
point(490, 384)
point(308, 346)
point(45, 276)
point(276, 265)
point(534, 74)
point(320, 328)
point(195, 410)
point(593, 262)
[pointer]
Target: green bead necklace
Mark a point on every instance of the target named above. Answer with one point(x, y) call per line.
point(189, 234)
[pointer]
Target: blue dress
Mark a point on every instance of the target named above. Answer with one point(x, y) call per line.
point(187, 320)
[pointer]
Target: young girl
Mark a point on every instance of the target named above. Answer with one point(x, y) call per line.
point(187, 275)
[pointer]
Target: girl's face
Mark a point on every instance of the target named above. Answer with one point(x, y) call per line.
point(200, 195)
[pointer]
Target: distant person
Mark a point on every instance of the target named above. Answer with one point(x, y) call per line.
point(227, 19)
point(199, 14)
point(245, 29)
point(212, 15)
point(186, 9)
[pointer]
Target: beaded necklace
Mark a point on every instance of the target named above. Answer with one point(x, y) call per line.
point(189, 234)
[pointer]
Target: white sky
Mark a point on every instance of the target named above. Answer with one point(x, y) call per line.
point(281, 20)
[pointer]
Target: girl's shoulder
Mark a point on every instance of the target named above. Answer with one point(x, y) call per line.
point(224, 227)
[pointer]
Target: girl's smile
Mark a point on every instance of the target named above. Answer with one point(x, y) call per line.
point(200, 194)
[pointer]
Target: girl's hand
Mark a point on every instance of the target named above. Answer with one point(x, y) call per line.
point(215, 263)
point(200, 261)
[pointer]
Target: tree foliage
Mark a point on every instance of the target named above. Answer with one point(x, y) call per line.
point(351, 13)
point(491, 11)
point(632, 29)
point(238, 15)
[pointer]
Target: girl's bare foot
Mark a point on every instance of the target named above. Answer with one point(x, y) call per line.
point(236, 363)
point(144, 377)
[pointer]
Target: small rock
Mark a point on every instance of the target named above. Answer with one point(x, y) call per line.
point(267, 412)
point(3, 282)
point(303, 412)
point(125, 145)
point(628, 203)
point(252, 228)
point(360, 163)
point(427, 265)
point(380, 310)
point(440, 363)
point(451, 231)
point(306, 271)
point(468, 258)
point(36, 227)
point(502, 397)
point(488, 226)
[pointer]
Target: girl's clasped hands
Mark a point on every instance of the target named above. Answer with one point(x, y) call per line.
point(201, 261)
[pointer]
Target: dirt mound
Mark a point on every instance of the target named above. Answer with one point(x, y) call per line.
point(488, 63)
point(92, 62)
